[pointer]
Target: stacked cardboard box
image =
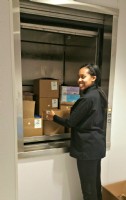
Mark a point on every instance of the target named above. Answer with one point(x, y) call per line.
point(47, 93)
point(67, 108)
point(47, 98)
point(32, 126)
point(52, 128)
point(28, 96)
point(69, 94)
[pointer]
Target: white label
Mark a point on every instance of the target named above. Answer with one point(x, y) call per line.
point(54, 85)
point(64, 90)
point(38, 123)
point(54, 103)
point(63, 98)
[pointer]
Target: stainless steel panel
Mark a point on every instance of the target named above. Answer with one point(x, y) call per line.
point(46, 146)
point(18, 75)
point(76, 7)
point(47, 138)
point(57, 29)
point(111, 77)
point(39, 153)
point(79, 13)
point(42, 51)
point(105, 72)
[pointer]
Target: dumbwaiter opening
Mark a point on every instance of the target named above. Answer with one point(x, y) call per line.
point(53, 48)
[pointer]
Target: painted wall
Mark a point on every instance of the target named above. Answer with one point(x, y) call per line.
point(49, 178)
point(8, 134)
point(55, 177)
point(114, 165)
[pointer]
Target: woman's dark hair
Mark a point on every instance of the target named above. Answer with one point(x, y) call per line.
point(95, 71)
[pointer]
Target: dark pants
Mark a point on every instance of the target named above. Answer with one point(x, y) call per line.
point(89, 172)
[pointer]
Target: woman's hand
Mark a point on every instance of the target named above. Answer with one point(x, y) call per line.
point(50, 115)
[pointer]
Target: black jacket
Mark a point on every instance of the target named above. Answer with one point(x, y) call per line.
point(88, 138)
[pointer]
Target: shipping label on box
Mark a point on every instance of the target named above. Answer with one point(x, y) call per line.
point(38, 123)
point(54, 85)
point(54, 103)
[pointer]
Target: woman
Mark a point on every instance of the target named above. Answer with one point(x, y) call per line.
point(88, 138)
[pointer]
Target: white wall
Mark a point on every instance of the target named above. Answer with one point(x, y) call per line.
point(114, 165)
point(8, 139)
point(48, 178)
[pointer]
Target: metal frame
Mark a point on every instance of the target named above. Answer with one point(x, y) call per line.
point(71, 8)
point(56, 29)
point(112, 77)
point(75, 13)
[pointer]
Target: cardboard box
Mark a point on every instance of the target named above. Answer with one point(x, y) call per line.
point(46, 88)
point(114, 191)
point(59, 112)
point(65, 107)
point(69, 97)
point(67, 103)
point(45, 104)
point(70, 90)
point(28, 96)
point(52, 128)
point(33, 127)
point(28, 109)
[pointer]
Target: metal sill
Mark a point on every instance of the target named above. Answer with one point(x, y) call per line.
point(43, 152)
point(45, 145)
point(47, 138)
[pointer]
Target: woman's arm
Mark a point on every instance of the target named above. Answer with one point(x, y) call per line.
point(79, 113)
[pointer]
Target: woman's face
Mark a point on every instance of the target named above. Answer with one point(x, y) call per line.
point(85, 79)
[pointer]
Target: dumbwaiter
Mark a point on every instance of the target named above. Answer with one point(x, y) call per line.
point(64, 38)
